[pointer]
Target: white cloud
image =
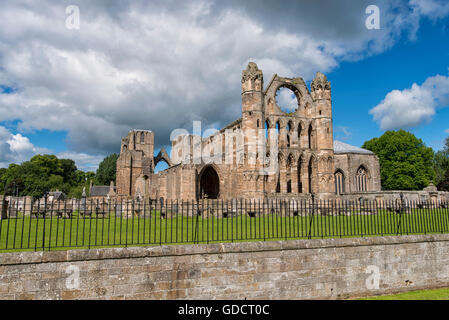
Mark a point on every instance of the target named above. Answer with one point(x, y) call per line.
point(83, 161)
point(15, 148)
point(287, 100)
point(414, 106)
point(433, 9)
point(159, 66)
point(447, 131)
point(342, 133)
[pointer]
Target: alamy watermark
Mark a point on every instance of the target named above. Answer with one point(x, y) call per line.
point(373, 19)
point(232, 146)
point(373, 280)
point(73, 280)
point(73, 19)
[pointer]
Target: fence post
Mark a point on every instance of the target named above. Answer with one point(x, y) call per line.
point(311, 220)
point(44, 214)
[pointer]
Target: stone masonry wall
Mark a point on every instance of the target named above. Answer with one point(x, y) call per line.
point(326, 269)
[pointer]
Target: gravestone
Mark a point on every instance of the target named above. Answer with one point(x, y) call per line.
point(118, 210)
point(4, 209)
point(12, 212)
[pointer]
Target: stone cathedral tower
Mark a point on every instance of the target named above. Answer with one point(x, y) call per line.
point(252, 119)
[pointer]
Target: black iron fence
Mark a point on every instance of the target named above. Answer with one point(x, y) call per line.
point(28, 224)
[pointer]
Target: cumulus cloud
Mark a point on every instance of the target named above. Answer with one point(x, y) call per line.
point(413, 106)
point(159, 65)
point(15, 148)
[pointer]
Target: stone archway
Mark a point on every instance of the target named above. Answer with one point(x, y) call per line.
point(162, 156)
point(209, 182)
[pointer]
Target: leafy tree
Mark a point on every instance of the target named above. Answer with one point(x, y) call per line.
point(106, 170)
point(12, 179)
point(443, 185)
point(405, 162)
point(441, 165)
point(68, 169)
point(44, 173)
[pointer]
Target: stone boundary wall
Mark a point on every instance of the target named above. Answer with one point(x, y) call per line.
point(409, 196)
point(299, 269)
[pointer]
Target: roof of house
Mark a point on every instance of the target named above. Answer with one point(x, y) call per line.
point(341, 147)
point(99, 191)
point(57, 195)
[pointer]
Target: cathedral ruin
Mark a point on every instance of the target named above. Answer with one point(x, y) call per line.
point(229, 164)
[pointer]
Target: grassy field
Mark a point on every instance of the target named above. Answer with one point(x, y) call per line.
point(436, 294)
point(26, 233)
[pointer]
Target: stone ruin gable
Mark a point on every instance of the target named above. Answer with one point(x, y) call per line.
point(135, 159)
point(314, 112)
point(305, 134)
point(136, 163)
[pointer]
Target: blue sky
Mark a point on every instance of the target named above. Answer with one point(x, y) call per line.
point(359, 86)
point(75, 92)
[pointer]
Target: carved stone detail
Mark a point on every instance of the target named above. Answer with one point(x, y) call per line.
point(252, 72)
point(320, 82)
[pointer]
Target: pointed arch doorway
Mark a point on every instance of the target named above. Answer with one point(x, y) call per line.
point(209, 183)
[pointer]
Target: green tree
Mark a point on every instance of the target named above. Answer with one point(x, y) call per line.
point(69, 169)
point(405, 162)
point(443, 185)
point(106, 170)
point(44, 173)
point(441, 165)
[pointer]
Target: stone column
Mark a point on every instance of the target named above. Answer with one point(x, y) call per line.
point(305, 176)
point(294, 177)
point(283, 175)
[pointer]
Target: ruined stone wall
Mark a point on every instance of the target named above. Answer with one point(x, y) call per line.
point(135, 159)
point(325, 269)
point(175, 183)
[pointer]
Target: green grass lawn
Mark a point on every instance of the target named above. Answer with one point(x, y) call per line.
point(436, 294)
point(25, 233)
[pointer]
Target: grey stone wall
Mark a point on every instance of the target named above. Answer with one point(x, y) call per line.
point(391, 196)
point(314, 269)
point(349, 163)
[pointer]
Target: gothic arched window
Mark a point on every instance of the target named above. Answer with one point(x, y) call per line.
point(311, 170)
point(289, 174)
point(339, 182)
point(361, 179)
point(310, 134)
point(266, 128)
point(278, 132)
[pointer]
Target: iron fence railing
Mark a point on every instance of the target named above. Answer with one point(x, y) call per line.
point(46, 225)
